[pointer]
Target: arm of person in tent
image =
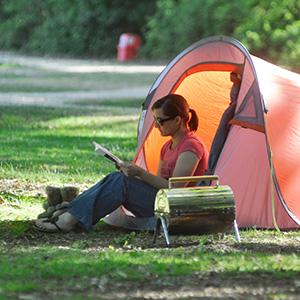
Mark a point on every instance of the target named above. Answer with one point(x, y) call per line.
point(186, 165)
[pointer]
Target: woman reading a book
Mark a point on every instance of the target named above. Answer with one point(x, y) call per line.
point(132, 186)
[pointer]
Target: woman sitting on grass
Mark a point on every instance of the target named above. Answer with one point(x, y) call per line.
point(133, 187)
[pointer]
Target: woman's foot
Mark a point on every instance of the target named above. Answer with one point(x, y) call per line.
point(48, 225)
point(63, 223)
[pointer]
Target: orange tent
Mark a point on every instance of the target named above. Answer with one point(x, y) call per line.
point(260, 156)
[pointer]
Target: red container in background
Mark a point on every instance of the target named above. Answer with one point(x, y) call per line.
point(128, 47)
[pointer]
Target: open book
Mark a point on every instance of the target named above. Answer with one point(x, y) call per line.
point(106, 153)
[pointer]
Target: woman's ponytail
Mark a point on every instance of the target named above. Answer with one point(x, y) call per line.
point(193, 122)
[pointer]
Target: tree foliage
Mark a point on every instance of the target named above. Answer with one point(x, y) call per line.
point(273, 31)
point(268, 28)
point(178, 23)
point(76, 27)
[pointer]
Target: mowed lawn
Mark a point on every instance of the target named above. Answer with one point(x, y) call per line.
point(42, 146)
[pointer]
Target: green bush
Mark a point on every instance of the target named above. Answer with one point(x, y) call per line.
point(18, 21)
point(268, 28)
point(74, 27)
point(273, 32)
point(177, 24)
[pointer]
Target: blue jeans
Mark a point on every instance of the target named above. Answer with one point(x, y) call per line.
point(114, 190)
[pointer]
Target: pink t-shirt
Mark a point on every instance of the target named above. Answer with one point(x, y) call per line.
point(190, 142)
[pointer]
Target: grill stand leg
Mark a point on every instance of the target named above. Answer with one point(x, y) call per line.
point(157, 230)
point(165, 230)
point(236, 231)
point(161, 223)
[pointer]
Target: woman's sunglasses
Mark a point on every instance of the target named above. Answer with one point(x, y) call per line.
point(160, 121)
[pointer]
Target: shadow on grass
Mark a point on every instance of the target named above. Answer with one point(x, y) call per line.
point(36, 114)
point(24, 232)
point(223, 285)
point(130, 103)
point(108, 260)
point(269, 248)
point(104, 235)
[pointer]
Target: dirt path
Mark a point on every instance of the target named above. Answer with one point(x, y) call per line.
point(67, 98)
point(75, 66)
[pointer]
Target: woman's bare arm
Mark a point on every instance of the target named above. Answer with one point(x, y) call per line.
point(185, 166)
point(130, 169)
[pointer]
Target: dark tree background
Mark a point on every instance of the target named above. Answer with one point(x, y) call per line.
point(268, 28)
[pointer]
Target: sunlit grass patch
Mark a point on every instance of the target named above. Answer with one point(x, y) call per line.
point(19, 208)
point(8, 65)
point(55, 144)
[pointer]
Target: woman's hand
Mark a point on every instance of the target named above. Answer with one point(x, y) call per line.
point(130, 169)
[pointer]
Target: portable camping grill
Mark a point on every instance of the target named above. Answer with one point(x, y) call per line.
point(195, 210)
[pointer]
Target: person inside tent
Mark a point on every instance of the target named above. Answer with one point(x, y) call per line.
point(133, 187)
point(224, 126)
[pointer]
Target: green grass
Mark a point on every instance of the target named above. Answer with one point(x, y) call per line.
point(40, 146)
point(20, 79)
point(128, 103)
point(58, 263)
point(71, 263)
point(54, 144)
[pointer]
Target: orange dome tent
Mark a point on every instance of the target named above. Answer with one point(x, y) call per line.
point(254, 143)
point(260, 157)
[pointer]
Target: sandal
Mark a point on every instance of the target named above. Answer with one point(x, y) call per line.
point(48, 225)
